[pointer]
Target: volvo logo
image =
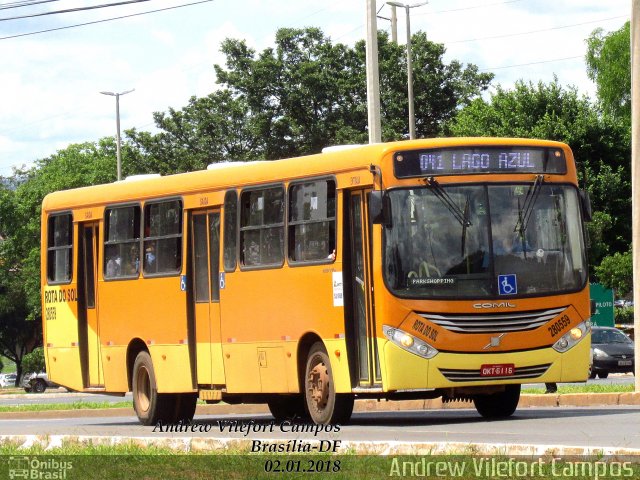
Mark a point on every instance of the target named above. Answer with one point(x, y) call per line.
point(494, 305)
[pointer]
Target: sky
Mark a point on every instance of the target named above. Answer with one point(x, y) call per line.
point(50, 82)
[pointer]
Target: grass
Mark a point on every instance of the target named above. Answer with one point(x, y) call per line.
point(9, 365)
point(592, 388)
point(149, 462)
point(81, 405)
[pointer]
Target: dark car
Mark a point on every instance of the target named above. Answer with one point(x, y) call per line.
point(612, 351)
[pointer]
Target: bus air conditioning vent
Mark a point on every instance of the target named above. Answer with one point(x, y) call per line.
point(493, 322)
point(456, 375)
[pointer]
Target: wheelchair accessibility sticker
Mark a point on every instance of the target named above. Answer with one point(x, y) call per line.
point(507, 284)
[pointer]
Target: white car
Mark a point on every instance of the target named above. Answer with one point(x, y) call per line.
point(7, 380)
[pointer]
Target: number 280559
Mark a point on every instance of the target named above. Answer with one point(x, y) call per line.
point(559, 325)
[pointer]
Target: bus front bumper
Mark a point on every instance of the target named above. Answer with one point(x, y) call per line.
point(406, 371)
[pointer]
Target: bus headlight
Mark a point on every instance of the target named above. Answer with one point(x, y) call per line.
point(572, 337)
point(409, 342)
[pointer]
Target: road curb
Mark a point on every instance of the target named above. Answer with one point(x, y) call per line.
point(526, 401)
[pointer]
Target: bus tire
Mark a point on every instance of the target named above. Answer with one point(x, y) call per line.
point(288, 407)
point(184, 406)
point(151, 407)
point(324, 405)
point(498, 405)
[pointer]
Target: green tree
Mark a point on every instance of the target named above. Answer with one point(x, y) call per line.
point(609, 66)
point(304, 94)
point(616, 272)
point(600, 145)
point(34, 361)
point(209, 128)
point(21, 198)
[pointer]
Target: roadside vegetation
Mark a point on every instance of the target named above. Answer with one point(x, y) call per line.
point(45, 407)
point(588, 388)
point(134, 461)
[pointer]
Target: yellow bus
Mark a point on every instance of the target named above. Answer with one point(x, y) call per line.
point(451, 268)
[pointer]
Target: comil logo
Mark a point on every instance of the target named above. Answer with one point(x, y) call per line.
point(494, 305)
point(34, 468)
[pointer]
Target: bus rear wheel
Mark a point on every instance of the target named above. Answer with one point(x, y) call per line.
point(151, 407)
point(498, 405)
point(324, 405)
point(184, 407)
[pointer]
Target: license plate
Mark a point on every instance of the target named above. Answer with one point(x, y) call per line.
point(497, 370)
point(624, 363)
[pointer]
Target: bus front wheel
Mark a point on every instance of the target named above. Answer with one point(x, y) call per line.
point(498, 405)
point(324, 405)
point(150, 406)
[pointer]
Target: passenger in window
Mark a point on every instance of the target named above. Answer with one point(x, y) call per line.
point(132, 266)
point(150, 258)
point(114, 266)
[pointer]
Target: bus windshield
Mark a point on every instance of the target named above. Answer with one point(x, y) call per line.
point(484, 241)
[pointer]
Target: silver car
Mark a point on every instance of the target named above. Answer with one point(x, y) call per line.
point(37, 382)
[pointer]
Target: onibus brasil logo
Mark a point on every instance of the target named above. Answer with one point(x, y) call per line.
point(38, 468)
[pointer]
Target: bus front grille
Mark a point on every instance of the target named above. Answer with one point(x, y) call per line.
point(493, 322)
point(456, 375)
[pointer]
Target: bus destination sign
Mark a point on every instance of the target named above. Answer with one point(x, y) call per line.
point(464, 161)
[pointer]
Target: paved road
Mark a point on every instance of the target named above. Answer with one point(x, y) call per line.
point(610, 427)
point(62, 396)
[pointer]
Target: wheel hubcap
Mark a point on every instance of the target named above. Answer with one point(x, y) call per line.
point(319, 385)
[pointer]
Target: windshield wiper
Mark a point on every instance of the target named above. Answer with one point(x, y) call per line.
point(443, 196)
point(525, 211)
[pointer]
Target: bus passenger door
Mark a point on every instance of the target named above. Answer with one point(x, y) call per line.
point(89, 327)
point(360, 320)
point(205, 244)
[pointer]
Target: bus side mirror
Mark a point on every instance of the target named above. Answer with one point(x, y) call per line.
point(379, 208)
point(586, 205)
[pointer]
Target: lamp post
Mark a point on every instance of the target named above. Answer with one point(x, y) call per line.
point(412, 119)
point(373, 77)
point(118, 154)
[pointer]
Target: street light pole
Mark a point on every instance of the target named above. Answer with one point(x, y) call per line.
point(394, 25)
point(373, 77)
point(412, 117)
point(118, 154)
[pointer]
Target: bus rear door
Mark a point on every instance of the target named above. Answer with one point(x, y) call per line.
point(205, 255)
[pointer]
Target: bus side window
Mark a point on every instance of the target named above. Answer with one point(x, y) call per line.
point(162, 238)
point(262, 227)
point(230, 230)
point(312, 221)
point(122, 242)
point(59, 248)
